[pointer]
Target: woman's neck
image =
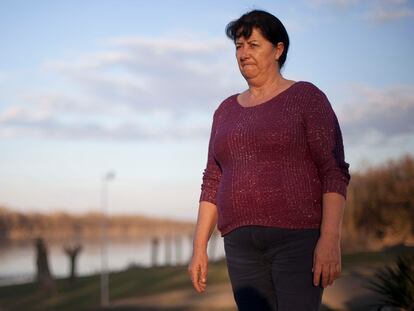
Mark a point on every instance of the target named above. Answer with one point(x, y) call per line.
point(262, 89)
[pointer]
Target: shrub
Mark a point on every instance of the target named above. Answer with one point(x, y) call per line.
point(395, 283)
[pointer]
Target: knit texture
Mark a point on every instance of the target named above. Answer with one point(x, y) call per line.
point(269, 164)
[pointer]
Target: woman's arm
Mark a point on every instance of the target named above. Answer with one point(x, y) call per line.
point(207, 217)
point(206, 222)
point(327, 255)
point(324, 139)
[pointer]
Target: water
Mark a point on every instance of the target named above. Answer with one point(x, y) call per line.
point(18, 259)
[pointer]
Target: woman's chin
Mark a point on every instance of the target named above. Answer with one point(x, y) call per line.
point(249, 74)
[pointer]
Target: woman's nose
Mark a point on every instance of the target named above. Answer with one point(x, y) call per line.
point(243, 53)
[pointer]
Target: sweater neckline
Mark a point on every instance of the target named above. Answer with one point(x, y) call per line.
point(267, 101)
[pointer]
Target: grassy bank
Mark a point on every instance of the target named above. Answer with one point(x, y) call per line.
point(83, 294)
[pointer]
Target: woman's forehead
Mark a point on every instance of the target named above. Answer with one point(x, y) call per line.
point(255, 34)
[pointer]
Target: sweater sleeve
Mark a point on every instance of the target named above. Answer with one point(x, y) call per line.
point(324, 139)
point(212, 172)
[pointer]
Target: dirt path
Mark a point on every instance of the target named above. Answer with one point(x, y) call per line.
point(347, 293)
point(216, 297)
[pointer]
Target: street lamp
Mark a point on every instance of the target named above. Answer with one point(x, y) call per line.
point(104, 239)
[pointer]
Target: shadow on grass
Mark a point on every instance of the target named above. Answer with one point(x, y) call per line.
point(136, 308)
point(141, 309)
point(190, 308)
point(325, 308)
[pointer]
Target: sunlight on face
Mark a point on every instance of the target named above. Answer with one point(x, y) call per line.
point(256, 56)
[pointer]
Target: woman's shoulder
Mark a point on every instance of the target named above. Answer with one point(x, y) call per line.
point(309, 88)
point(313, 98)
point(226, 103)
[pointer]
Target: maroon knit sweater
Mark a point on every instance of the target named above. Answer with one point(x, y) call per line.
point(270, 164)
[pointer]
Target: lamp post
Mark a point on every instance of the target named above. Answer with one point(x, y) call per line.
point(104, 239)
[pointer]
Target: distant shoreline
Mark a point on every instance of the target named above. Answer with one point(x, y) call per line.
point(17, 226)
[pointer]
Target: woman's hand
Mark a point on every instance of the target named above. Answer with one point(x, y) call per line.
point(327, 254)
point(197, 269)
point(206, 222)
point(326, 260)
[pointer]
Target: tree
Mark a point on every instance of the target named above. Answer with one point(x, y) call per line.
point(72, 251)
point(43, 276)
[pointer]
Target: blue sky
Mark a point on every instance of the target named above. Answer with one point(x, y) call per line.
point(130, 86)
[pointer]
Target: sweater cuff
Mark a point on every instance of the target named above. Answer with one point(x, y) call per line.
point(335, 186)
point(208, 196)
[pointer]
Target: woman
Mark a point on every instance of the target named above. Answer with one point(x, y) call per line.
point(275, 181)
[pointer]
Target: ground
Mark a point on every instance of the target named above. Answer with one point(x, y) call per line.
point(347, 293)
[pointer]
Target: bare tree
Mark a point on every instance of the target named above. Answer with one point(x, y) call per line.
point(72, 251)
point(43, 276)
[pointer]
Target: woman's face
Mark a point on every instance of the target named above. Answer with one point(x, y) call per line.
point(256, 56)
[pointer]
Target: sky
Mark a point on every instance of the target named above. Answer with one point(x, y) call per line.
point(130, 87)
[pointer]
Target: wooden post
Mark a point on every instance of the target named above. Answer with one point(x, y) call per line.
point(168, 250)
point(190, 238)
point(213, 245)
point(178, 250)
point(154, 251)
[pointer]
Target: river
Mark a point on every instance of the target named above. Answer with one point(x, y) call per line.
point(18, 259)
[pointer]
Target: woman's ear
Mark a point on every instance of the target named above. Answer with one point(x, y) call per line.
point(280, 47)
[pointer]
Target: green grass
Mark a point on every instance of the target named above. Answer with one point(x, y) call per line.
point(84, 293)
point(374, 259)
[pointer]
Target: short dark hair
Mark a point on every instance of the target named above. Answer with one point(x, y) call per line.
point(270, 26)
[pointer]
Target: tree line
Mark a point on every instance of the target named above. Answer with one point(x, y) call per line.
point(380, 206)
point(15, 225)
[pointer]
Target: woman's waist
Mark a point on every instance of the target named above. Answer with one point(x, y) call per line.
point(258, 182)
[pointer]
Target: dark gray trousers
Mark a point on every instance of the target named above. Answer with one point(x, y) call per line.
point(271, 268)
